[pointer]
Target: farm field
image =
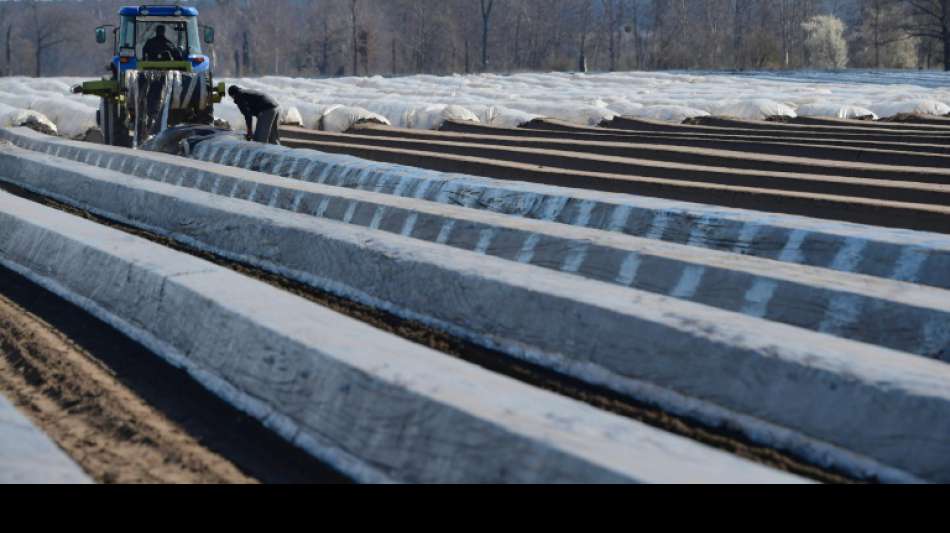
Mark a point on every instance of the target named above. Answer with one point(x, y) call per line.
point(424, 102)
point(536, 278)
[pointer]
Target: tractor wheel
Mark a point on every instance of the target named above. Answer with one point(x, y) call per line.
point(104, 120)
point(121, 135)
point(112, 122)
point(140, 128)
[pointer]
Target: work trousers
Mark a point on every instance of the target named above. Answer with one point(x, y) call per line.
point(266, 130)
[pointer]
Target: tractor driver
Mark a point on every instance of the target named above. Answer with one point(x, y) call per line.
point(159, 48)
point(255, 104)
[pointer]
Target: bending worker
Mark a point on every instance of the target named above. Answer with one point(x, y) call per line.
point(255, 104)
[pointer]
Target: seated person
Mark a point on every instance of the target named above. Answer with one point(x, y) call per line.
point(159, 48)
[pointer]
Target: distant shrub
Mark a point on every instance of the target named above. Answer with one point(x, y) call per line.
point(825, 46)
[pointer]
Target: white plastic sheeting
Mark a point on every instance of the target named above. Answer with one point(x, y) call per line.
point(757, 109)
point(342, 118)
point(50, 98)
point(669, 113)
point(291, 117)
point(12, 116)
point(425, 102)
point(72, 118)
point(920, 107)
point(587, 99)
point(837, 111)
point(500, 116)
point(581, 113)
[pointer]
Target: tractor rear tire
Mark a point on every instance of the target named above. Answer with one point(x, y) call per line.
point(104, 119)
point(113, 120)
point(121, 136)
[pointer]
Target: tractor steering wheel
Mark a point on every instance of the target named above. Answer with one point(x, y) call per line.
point(172, 54)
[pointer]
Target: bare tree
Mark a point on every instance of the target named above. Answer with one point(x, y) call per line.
point(6, 32)
point(874, 23)
point(931, 20)
point(331, 39)
point(614, 14)
point(44, 28)
point(238, 31)
point(673, 26)
point(366, 37)
point(8, 35)
point(635, 29)
point(584, 17)
point(354, 31)
point(786, 24)
point(739, 12)
point(521, 22)
point(881, 36)
point(825, 42)
point(486, 10)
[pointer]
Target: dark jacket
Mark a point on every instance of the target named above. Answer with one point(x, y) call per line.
point(252, 103)
point(157, 47)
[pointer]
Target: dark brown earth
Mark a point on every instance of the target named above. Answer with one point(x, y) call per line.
point(123, 414)
point(825, 205)
point(914, 123)
point(746, 155)
point(704, 139)
point(909, 118)
point(752, 128)
point(110, 431)
point(491, 360)
point(862, 180)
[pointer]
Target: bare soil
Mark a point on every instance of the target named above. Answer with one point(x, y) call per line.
point(761, 155)
point(826, 204)
point(695, 165)
point(119, 411)
point(808, 147)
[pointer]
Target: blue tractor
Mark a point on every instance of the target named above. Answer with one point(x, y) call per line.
point(159, 75)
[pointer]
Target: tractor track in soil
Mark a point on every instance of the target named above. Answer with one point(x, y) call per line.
point(723, 439)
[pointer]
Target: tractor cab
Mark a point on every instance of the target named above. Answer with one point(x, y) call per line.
point(175, 25)
point(160, 76)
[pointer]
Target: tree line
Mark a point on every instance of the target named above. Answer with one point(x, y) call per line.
point(399, 37)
